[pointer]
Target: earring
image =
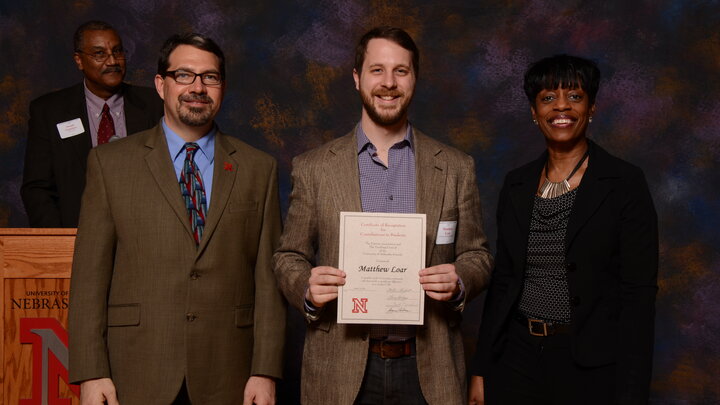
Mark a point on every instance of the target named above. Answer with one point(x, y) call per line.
point(535, 122)
point(590, 120)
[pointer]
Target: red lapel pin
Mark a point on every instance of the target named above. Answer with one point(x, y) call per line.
point(227, 166)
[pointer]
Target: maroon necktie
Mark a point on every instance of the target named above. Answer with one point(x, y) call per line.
point(106, 130)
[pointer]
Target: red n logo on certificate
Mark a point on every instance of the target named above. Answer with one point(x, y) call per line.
point(359, 305)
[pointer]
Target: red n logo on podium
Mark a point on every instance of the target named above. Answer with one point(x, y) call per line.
point(50, 360)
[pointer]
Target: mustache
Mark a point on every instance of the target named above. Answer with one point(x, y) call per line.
point(203, 98)
point(386, 93)
point(112, 69)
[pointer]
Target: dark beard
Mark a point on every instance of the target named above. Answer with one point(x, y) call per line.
point(376, 117)
point(193, 116)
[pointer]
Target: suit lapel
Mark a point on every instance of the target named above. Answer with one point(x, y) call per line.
point(136, 117)
point(522, 197)
point(342, 158)
point(430, 178)
point(222, 185)
point(77, 108)
point(591, 193)
point(133, 108)
point(162, 170)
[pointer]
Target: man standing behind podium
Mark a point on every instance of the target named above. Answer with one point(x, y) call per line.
point(65, 124)
point(173, 298)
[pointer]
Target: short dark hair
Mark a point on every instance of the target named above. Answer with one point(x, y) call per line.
point(94, 25)
point(396, 35)
point(566, 71)
point(194, 39)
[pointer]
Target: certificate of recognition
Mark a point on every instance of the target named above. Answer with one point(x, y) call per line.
point(381, 255)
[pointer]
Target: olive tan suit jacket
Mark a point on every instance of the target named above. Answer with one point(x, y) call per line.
point(147, 307)
point(325, 182)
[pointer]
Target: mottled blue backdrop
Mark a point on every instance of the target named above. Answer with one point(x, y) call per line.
point(290, 89)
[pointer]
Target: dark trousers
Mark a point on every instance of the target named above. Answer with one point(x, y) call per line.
point(541, 371)
point(391, 382)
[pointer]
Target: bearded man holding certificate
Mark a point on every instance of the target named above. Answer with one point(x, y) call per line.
point(383, 166)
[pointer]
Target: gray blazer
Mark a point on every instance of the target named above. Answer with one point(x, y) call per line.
point(325, 182)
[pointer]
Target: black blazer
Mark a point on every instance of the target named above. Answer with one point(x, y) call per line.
point(612, 260)
point(54, 174)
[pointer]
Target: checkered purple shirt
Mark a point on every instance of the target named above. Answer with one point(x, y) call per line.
point(391, 188)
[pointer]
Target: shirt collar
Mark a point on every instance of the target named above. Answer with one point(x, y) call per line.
point(363, 141)
point(176, 144)
point(96, 103)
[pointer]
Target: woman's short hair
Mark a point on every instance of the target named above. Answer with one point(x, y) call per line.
point(564, 71)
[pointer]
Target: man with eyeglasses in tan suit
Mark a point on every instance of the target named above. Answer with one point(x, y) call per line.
point(172, 298)
point(65, 124)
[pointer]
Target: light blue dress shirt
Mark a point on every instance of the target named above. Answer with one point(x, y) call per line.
point(204, 158)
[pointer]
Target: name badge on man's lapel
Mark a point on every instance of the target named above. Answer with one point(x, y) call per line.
point(70, 128)
point(446, 232)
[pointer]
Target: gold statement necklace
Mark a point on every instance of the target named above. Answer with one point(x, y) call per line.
point(551, 189)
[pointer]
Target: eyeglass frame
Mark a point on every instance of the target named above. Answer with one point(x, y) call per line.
point(172, 73)
point(117, 54)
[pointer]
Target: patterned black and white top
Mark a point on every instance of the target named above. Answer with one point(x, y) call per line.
point(545, 291)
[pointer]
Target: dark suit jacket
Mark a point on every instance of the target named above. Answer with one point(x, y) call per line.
point(147, 307)
point(326, 181)
point(54, 174)
point(612, 260)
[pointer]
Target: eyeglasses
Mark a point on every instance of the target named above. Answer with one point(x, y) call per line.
point(185, 77)
point(102, 56)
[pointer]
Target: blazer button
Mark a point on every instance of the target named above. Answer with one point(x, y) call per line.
point(571, 267)
point(190, 316)
point(575, 301)
point(194, 275)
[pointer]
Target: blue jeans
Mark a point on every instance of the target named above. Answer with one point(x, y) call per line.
point(391, 382)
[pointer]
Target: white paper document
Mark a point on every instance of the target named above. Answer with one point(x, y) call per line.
point(381, 255)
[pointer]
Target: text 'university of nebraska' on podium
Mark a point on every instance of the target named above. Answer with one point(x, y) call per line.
point(35, 296)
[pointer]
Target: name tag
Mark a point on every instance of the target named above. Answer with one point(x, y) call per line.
point(446, 232)
point(70, 128)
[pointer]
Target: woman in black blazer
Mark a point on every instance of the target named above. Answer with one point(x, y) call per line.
point(569, 316)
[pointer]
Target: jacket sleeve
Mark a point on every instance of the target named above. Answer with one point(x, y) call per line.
point(38, 190)
point(293, 258)
point(499, 286)
point(90, 281)
point(473, 260)
point(638, 240)
point(269, 326)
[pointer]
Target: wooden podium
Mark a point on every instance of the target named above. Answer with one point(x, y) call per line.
point(35, 293)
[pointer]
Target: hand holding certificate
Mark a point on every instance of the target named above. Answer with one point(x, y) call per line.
point(381, 255)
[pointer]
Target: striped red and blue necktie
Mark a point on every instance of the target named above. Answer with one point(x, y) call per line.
point(193, 191)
